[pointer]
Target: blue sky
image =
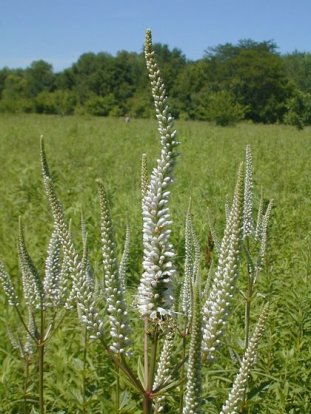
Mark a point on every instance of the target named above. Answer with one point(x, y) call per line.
point(59, 31)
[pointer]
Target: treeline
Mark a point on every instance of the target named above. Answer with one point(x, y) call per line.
point(249, 80)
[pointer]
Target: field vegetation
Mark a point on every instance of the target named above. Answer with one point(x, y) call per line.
point(81, 149)
point(170, 318)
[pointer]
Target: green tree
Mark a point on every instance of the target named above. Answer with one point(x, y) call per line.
point(15, 93)
point(254, 73)
point(40, 77)
point(60, 102)
point(222, 108)
point(298, 69)
point(299, 110)
point(101, 106)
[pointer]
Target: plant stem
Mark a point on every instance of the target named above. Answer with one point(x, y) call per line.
point(181, 400)
point(147, 404)
point(41, 344)
point(149, 367)
point(117, 389)
point(84, 369)
point(248, 301)
point(153, 358)
point(27, 363)
point(146, 361)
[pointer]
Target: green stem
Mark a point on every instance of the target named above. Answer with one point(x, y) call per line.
point(181, 400)
point(153, 358)
point(122, 364)
point(41, 344)
point(248, 301)
point(117, 389)
point(27, 363)
point(147, 404)
point(84, 369)
point(149, 366)
point(146, 360)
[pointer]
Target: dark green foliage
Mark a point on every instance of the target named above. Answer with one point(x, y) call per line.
point(298, 69)
point(261, 84)
point(299, 110)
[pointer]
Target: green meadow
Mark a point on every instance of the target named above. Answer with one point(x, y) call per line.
point(82, 149)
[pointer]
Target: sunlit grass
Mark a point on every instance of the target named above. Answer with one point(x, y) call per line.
point(83, 149)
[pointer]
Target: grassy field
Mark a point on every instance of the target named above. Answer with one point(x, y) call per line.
point(82, 149)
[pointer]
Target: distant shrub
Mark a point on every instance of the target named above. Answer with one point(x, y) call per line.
point(100, 105)
point(16, 105)
point(223, 109)
point(299, 110)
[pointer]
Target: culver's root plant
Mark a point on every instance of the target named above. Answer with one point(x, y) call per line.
point(180, 318)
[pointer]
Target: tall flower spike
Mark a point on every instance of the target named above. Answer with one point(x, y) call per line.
point(154, 299)
point(86, 265)
point(83, 292)
point(163, 376)
point(52, 279)
point(263, 236)
point(216, 307)
point(124, 259)
point(258, 231)
point(213, 231)
point(237, 391)
point(8, 287)
point(144, 177)
point(117, 310)
point(196, 257)
point(186, 289)
point(248, 221)
point(32, 284)
point(192, 404)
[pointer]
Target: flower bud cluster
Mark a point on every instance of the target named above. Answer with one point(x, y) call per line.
point(163, 369)
point(248, 221)
point(124, 259)
point(216, 307)
point(84, 294)
point(32, 284)
point(113, 285)
point(262, 237)
point(186, 289)
point(155, 291)
point(236, 394)
point(8, 287)
point(144, 177)
point(53, 273)
point(192, 399)
point(163, 374)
